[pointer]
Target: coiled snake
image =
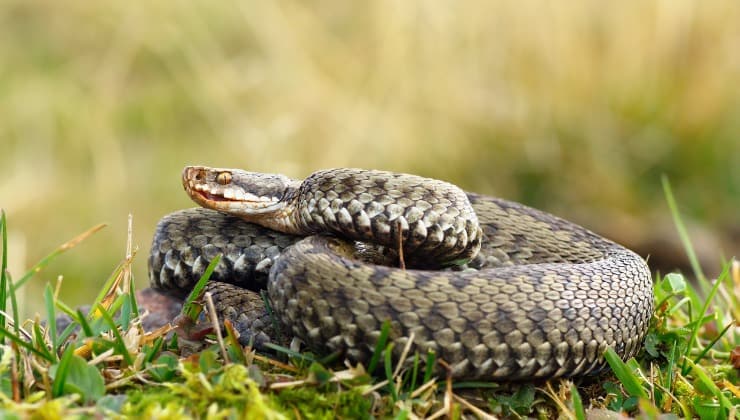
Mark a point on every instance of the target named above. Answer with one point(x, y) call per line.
point(528, 295)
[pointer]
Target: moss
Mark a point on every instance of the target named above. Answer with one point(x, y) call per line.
point(315, 403)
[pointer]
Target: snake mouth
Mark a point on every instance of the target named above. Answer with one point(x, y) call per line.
point(235, 202)
point(206, 196)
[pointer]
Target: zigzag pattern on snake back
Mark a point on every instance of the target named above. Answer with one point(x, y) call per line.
point(529, 295)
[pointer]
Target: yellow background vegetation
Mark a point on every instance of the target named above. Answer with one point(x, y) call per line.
point(577, 108)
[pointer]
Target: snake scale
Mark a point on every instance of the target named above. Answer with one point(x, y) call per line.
point(496, 289)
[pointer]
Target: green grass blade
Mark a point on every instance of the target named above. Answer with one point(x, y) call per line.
point(677, 306)
point(86, 329)
point(26, 345)
point(276, 324)
point(3, 268)
point(707, 382)
point(60, 378)
point(713, 342)
point(189, 308)
point(132, 298)
point(330, 358)
point(402, 415)
point(577, 403)
point(630, 382)
point(290, 353)
point(125, 317)
point(705, 306)
point(50, 315)
point(429, 366)
point(14, 302)
point(414, 372)
point(40, 344)
point(385, 331)
point(388, 365)
point(682, 232)
point(151, 352)
point(671, 364)
point(118, 343)
point(233, 348)
point(64, 335)
point(66, 309)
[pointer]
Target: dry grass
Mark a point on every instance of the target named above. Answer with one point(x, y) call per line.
point(575, 108)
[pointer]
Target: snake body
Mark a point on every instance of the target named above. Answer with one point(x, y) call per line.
point(496, 289)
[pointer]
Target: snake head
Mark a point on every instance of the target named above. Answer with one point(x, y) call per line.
point(237, 192)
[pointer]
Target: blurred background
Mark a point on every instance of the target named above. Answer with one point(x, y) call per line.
point(576, 108)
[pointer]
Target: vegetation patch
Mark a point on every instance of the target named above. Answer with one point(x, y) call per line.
point(104, 364)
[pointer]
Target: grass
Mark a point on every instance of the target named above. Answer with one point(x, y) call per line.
point(689, 366)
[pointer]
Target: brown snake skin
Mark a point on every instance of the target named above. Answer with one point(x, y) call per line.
point(542, 297)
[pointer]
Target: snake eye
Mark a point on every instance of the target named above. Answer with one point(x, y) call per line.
point(224, 178)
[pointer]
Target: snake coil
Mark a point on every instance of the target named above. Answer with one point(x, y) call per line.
point(529, 295)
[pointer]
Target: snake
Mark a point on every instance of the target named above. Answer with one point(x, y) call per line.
point(349, 258)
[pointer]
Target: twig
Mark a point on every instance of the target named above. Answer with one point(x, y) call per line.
point(399, 230)
point(216, 327)
point(447, 405)
point(420, 390)
point(478, 412)
point(376, 387)
point(404, 353)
